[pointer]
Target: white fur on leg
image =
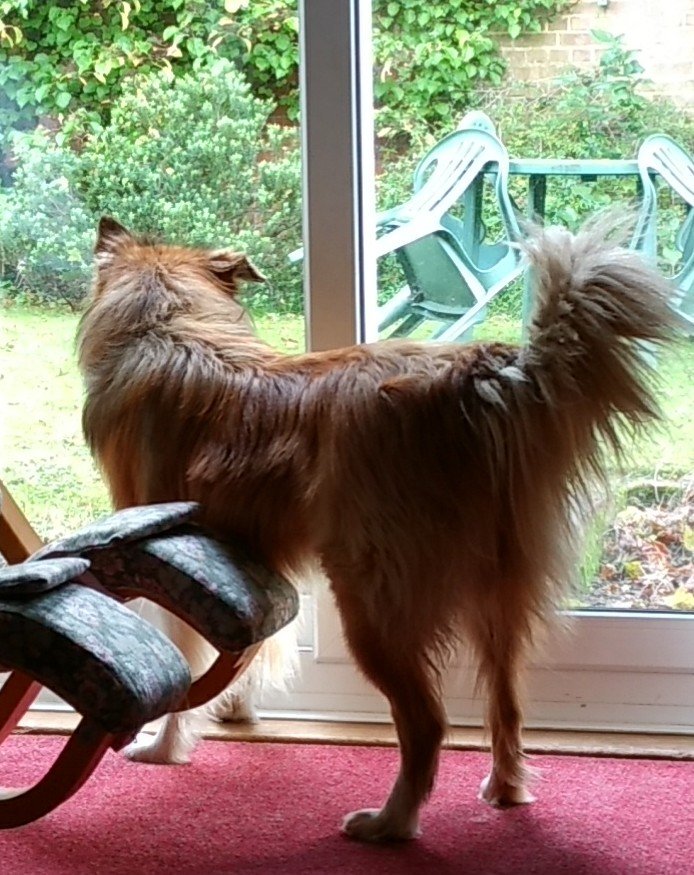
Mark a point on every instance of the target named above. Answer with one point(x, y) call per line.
point(237, 703)
point(375, 825)
point(275, 664)
point(177, 736)
point(502, 795)
point(173, 743)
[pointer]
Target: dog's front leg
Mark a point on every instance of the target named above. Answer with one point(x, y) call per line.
point(237, 703)
point(177, 736)
point(172, 744)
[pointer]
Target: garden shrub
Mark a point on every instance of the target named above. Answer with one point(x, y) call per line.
point(46, 233)
point(191, 160)
point(56, 58)
point(194, 160)
point(430, 57)
point(602, 112)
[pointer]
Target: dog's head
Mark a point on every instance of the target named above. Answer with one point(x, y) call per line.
point(119, 254)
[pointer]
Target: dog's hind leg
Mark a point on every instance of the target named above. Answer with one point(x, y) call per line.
point(499, 640)
point(237, 703)
point(402, 671)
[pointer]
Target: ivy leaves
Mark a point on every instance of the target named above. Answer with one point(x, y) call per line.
point(58, 57)
point(55, 58)
point(430, 58)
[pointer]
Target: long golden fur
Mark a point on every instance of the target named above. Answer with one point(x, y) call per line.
point(435, 483)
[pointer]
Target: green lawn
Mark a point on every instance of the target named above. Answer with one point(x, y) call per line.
point(43, 459)
point(45, 464)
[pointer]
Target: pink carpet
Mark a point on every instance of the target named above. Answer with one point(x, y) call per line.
point(260, 809)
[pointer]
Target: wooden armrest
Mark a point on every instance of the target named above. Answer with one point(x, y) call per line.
point(18, 540)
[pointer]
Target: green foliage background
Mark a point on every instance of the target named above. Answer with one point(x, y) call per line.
point(160, 113)
point(192, 160)
point(57, 57)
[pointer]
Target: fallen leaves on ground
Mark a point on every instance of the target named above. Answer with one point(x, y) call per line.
point(648, 555)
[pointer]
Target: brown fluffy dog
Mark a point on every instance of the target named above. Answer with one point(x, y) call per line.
point(435, 483)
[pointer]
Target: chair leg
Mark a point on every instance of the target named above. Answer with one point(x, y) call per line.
point(17, 693)
point(407, 326)
point(18, 540)
point(75, 763)
point(226, 668)
point(394, 309)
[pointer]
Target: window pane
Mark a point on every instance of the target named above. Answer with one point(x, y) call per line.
point(180, 123)
point(568, 108)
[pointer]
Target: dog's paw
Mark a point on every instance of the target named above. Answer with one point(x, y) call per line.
point(372, 825)
point(234, 709)
point(148, 749)
point(499, 794)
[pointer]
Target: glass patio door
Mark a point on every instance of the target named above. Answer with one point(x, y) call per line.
point(616, 669)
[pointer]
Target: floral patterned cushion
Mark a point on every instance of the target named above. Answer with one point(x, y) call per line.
point(230, 599)
point(153, 551)
point(123, 526)
point(29, 578)
point(96, 654)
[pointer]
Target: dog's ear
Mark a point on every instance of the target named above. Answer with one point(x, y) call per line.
point(110, 235)
point(229, 267)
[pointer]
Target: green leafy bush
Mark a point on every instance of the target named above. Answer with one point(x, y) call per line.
point(191, 160)
point(56, 58)
point(430, 57)
point(602, 112)
point(46, 233)
point(194, 160)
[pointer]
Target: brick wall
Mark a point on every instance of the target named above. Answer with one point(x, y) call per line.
point(661, 30)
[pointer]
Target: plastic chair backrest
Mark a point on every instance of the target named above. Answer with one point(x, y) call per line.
point(447, 170)
point(661, 155)
point(449, 268)
point(666, 157)
point(477, 119)
point(441, 179)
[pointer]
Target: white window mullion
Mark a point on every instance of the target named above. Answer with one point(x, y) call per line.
point(338, 169)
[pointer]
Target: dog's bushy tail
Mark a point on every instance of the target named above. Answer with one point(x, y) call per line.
point(600, 315)
point(582, 384)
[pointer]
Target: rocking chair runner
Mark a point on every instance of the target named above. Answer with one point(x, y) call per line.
point(18, 540)
point(61, 625)
point(113, 668)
